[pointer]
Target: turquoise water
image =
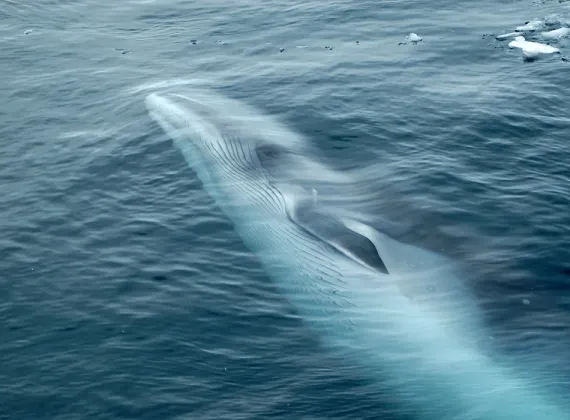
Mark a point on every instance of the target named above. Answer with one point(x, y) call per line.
point(125, 291)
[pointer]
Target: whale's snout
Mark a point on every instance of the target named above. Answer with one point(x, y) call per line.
point(151, 100)
point(169, 105)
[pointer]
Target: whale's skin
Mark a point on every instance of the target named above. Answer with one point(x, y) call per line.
point(410, 326)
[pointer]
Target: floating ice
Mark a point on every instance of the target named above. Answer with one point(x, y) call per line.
point(556, 34)
point(412, 37)
point(532, 49)
point(505, 36)
point(533, 25)
point(553, 19)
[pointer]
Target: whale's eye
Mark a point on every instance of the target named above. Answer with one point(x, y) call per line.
point(267, 152)
point(271, 156)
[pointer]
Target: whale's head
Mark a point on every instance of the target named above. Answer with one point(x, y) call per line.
point(259, 172)
point(226, 139)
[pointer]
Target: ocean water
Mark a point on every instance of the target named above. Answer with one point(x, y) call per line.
point(125, 292)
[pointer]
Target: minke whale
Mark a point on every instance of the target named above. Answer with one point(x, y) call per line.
point(398, 311)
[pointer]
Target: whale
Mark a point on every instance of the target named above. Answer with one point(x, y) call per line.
point(398, 312)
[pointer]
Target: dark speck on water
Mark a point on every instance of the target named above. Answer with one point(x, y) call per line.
point(126, 293)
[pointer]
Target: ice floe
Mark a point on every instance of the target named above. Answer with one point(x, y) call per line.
point(412, 37)
point(532, 49)
point(556, 33)
point(506, 36)
point(533, 25)
point(534, 37)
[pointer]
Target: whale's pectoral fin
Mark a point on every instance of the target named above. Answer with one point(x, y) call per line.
point(334, 232)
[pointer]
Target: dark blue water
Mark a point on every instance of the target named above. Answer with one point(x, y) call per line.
point(125, 292)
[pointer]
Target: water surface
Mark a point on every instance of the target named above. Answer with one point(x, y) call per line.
point(125, 292)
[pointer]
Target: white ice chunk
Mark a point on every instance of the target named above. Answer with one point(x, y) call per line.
point(532, 49)
point(505, 36)
point(533, 25)
point(553, 19)
point(556, 34)
point(412, 37)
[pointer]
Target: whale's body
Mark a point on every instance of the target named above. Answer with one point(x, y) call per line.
point(397, 310)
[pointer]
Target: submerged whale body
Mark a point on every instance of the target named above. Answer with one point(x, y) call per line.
point(399, 311)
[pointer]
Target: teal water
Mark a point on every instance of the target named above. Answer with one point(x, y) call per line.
point(125, 292)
